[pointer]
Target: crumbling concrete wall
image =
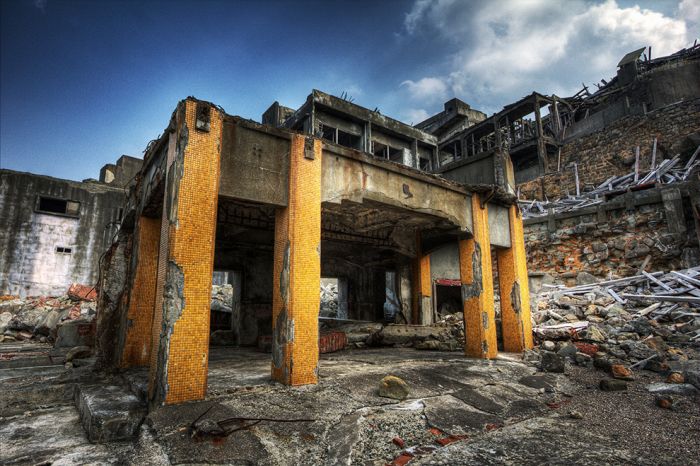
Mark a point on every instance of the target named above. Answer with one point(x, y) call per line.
point(113, 301)
point(616, 237)
point(42, 253)
point(610, 151)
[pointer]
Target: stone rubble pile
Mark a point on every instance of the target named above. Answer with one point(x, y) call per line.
point(329, 299)
point(667, 171)
point(221, 298)
point(650, 321)
point(41, 318)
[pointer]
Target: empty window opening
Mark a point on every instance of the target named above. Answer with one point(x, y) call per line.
point(497, 299)
point(380, 150)
point(448, 297)
point(446, 157)
point(63, 250)
point(348, 140)
point(54, 205)
point(424, 164)
point(329, 133)
point(334, 298)
point(392, 306)
point(395, 155)
point(225, 306)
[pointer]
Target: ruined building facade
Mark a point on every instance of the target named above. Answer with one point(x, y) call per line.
point(284, 204)
point(54, 231)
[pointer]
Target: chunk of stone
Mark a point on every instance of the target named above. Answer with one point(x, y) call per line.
point(661, 388)
point(585, 278)
point(548, 345)
point(593, 333)
point(393, 387)
point(108, 412)
point(613, 385)
point(552, 362)
point(664, 401)
point(78, 352)
point(74, 333)
point(693, 377)
point(621, 372)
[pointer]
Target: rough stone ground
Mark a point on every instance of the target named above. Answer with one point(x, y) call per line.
point(508, 413)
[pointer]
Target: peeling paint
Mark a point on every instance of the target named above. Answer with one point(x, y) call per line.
point(474, 289)
point(515, 297)
point(173, 305)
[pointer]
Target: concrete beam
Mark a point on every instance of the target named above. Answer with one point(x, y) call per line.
point(477, 287)
point(422, 304)
point(180, 353)
point(297, 269)
point(142, 299)
point(349, 176)
point(514, 288)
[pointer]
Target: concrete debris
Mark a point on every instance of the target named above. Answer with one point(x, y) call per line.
point(646, 320)
point(613, 385)
point(393, 387)
point(668, 171)
point(221, 298)
point(43, 318)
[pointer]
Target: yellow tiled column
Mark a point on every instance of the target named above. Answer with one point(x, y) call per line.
point(422, 286)
point(513, 284)
point(137, 345)
point(179, 371)
point(477, 286)
point(297, 269)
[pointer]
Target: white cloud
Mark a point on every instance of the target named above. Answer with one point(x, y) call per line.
point(690, 11)
point(426, 89)
point(502, 53)
point(415, 115)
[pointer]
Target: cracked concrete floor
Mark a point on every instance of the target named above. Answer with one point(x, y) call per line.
point(493, 412)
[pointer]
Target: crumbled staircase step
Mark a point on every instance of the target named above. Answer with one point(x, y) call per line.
point(109, 412)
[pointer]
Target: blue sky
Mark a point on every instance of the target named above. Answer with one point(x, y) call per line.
point(83, 82)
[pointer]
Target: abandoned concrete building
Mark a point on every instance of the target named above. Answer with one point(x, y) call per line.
point(335, 195)
point(54, 231)
point(209, 253)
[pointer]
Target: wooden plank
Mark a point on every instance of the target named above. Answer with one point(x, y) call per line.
point(615, 296)
point(694, 281)
point(658, 282)
point(656, 297)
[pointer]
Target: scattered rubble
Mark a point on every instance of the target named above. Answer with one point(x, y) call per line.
point(646, 322)
point(668, 171)
point(48, 319)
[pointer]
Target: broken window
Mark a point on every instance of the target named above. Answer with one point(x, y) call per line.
point(348, 140)
point(329, 133)
point(334, 298)
point(63, 250)
point(395, 155)
point(203, 116)
point(380, 150)
point(423, 163)
point(53, 205)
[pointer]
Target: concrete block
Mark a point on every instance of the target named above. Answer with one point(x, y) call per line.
point(75, 333)
point(108, 412)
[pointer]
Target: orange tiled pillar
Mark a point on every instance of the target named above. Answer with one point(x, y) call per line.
point(179, 360)
point(297, 269)
point(422, 286)
point(139, 327)
point(477, 286)
point(513, 284)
